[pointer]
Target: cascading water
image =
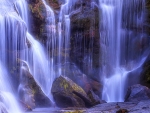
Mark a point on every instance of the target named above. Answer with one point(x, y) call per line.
point(12, 39)
point(7, 95)
point(121, 41)
point(118, 44)
point(63, 41)
point(41, 67)
point(50, 45)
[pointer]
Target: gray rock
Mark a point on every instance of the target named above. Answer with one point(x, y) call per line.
point(30, 92)
point(137, 93)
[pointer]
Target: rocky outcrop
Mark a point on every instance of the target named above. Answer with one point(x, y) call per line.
point(30, 92)
point(38, 16)
point(137, 93)
point(93, 97)
point(68, 94)
point(56, 4)
point(145, 74)
point(85, 37)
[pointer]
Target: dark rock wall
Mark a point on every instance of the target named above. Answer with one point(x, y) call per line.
point(145, 75)
point(38, 14)
point(85, 37)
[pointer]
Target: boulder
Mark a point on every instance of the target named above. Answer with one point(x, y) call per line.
point(66, 93)
point(93, 97)
point(137, 93)
point(30, 92)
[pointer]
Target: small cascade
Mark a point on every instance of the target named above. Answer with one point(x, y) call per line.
point(119, 36)
point(6, 93)
point(40, 66)
point(12, 39)
point(63, 41)
point(50, 45)
point(21, 8)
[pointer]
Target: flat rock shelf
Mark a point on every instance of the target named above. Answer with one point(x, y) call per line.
point(115, 107)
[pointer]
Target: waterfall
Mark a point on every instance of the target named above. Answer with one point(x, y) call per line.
point(6, 93)
point(63, 41)
point(12, 39)
point(119, 25)
point(40, 65)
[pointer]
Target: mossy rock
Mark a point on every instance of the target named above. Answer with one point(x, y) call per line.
point(30, 92)
point(66, 93)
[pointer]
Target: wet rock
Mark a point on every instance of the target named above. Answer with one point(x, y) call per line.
point(56, 4)
point(96, 87)
point(89, 84)
point(93, 97)
point(25, 107)
point(145, 75)
point(37, 19)
point(68, 94)
point(140, 107)
point(113, 107)
point(85, 36)
point(83, 81)
point(137, 93)
point(30, 92)
point(122, 111)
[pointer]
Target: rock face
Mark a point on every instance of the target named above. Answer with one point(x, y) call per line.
point(145, 75)
point(56, 4)
point(68, 94)
point(137, 93)
point(30, 92)
point(85, 37)
point(93, 97)
point(38, 19)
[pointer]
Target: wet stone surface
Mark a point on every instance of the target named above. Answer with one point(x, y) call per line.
point(116, 107)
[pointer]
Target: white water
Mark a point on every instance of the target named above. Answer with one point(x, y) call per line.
point(51, 47)
point(117, 44)
point(40, 66)
point(63, 41)
point(12, 28)
point(6, 93)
